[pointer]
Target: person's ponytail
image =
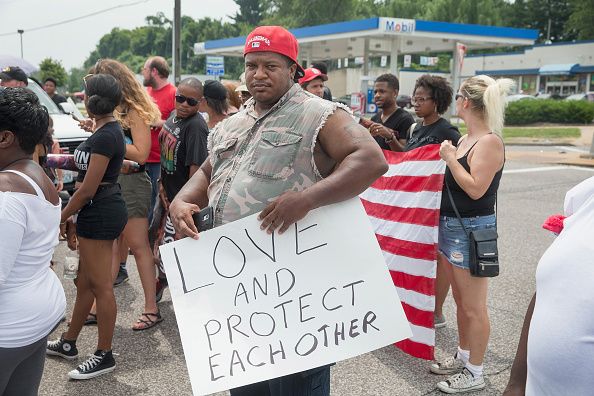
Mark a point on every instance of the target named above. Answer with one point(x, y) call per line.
point(488, 98)
point(494, 103)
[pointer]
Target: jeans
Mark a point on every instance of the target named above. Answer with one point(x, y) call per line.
point(153, 169)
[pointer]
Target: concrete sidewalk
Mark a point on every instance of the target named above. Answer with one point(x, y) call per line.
point(562, 157)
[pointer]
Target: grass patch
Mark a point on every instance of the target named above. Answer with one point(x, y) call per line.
point(536, 133)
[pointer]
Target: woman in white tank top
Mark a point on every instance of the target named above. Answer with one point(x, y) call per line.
point(32, 300)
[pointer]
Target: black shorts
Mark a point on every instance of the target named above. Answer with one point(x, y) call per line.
point(104, 217)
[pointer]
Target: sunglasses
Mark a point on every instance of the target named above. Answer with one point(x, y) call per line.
point(86, 77)
point(458, 96)
point(182, 99)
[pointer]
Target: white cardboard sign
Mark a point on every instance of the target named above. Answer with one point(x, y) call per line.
point(252, 306)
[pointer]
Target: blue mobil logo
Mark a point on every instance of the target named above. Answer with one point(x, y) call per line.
point(395, 25)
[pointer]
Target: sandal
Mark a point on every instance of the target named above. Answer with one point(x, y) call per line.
point(147, 324)
point(91, 319)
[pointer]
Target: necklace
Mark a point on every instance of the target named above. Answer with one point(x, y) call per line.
point(15, 161)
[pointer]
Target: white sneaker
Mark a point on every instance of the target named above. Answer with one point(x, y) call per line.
point(461, 383)
point(451, 365)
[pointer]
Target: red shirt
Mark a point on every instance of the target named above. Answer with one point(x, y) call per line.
point(165, 100)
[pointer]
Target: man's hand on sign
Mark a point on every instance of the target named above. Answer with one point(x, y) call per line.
point(180, 213)
point(286, 210)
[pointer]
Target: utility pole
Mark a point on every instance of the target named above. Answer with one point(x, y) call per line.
point(176, 42)
point(21, 31)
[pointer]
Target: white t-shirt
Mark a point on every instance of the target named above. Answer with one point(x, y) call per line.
point(32, 299)
point(561, 337)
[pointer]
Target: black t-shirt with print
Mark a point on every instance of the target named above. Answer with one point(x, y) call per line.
point(400, 121)
point(108, 141)
point(435, 133)
point(183, 143)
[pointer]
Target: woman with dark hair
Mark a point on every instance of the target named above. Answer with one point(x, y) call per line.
point(214, 103)
point(432, 96)
point(32, 300)
point(101, 218)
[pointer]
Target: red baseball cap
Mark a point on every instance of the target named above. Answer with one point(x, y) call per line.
point(312, 73)
point(274, 39)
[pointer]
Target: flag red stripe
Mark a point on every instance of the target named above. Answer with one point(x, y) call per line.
point(416, 349)
point(418, 316)
point(417, 216)
point(425, 153)
point(410, 183)
point(422, 251)
point(419, 284)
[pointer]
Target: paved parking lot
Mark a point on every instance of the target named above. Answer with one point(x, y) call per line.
point(152, 362)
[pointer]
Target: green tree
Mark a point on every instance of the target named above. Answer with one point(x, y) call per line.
point(75, 79)
point(581, 20)
point(53, 68)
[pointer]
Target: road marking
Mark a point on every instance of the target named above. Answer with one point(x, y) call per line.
point(548, 168)
point(572, 149)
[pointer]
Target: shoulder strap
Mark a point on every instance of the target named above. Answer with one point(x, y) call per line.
point(456, 209)
point(37, 189)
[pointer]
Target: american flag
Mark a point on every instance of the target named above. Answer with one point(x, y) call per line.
point(403, 206)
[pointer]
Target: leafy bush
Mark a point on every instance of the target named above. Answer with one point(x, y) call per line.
point(524, 112)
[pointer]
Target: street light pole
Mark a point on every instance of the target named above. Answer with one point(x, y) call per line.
point(21, 31)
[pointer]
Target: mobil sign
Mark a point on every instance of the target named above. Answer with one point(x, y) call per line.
point(396, 25)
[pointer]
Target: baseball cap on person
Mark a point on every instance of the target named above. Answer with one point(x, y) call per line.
point(215, 90)
point(13, 73)
point(312, 73)
point(274, 39)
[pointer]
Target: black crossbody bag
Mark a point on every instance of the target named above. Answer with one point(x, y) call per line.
point(484, 257)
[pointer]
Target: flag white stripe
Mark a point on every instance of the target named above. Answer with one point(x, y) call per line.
point(422, 335)
point(409, 265)
point(415, 299)
point(416, 168)
point(424, 199)
point(404, 231)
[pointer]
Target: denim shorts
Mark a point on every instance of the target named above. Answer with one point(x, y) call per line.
point(453, 242)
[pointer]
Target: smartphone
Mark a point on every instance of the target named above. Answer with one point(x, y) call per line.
point(75, 117)
point(204, 219)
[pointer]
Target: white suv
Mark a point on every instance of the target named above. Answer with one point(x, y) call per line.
point(66, 129)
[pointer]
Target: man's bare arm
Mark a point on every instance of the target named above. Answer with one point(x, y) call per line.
point(189, 200)
point(360, 160)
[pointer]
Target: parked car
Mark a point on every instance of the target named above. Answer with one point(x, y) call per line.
point(66, 129)
point(589, 96)
point(516, 97)
point(548, 96)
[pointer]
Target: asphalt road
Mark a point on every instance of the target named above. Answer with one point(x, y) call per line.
point(152, 362)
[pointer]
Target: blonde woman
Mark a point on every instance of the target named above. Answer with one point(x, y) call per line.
point(473, 172)
point(136, 113)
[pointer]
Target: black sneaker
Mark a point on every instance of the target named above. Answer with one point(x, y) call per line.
point(99, 363)
point(122, 276)
point(161, 286)
point(62, 348)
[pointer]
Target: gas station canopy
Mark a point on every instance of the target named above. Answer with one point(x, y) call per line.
point(384, 36)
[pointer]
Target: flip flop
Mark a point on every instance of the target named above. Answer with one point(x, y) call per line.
point(149, 322)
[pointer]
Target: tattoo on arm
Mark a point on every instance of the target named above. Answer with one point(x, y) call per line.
point(356, 133)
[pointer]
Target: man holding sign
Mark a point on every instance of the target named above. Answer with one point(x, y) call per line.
point(287, 153)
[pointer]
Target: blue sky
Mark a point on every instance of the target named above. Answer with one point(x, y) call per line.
point(72, 42)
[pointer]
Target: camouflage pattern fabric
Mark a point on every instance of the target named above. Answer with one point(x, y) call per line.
point(257, 158)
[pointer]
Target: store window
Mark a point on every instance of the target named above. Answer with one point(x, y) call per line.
point(529, 85)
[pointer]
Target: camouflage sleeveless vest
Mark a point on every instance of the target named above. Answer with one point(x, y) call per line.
point(257, 158)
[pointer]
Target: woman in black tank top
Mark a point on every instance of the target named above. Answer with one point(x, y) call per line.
point(473, 172)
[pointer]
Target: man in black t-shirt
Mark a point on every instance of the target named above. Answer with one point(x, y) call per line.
point(183, 139)
point(389, 126)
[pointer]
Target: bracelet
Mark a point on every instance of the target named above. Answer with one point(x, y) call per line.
point(388, 140)
point(64, 222)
